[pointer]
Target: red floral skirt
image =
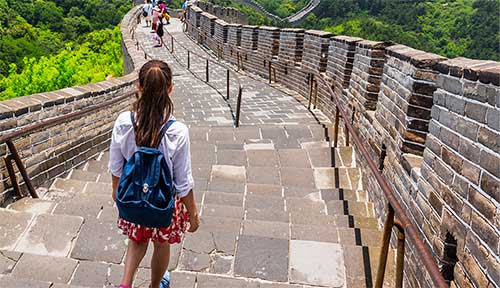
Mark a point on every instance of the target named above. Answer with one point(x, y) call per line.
point(171, 234)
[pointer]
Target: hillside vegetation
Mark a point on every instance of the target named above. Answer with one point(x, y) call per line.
point(283, 8)
point(451, 28)
point(48, 45)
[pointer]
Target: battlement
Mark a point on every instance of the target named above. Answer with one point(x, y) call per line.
point(431, 122)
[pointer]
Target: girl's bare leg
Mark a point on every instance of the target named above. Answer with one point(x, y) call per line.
point(135, 253)
point(159, 262)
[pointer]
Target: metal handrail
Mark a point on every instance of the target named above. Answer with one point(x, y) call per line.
point(14, 155)
point(404, 225)
point(207, 72)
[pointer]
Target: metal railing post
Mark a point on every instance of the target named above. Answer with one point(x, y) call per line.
point(206, 72)
point(311, 77)
point(189, 60)
point(227, 84)
point(384, 251)
point(22, 169)
point(238, 108)
point(336, 128)
point(270, 71)
point(12, 175)
point(400, 258)
point(172, 43)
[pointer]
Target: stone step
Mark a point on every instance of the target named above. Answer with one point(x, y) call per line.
point(345, 178)
point(96, 166)
point(361, 266)
point(360, 237)
point(43, 234)
point(323, 155)
point(340, 207)
point(33, 205)
point(81, 175)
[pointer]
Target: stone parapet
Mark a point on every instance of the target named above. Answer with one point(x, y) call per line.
point(249, 37)
point(430, 123)
point(315, 53)
point(407, 88)
point(291, 45)
point(268, 41)
point(460, 170)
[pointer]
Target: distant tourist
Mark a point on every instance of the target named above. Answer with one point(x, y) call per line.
point(147, 12)
point(159, 31)
point(156, 18)
point(184, 10)
point(152, 180)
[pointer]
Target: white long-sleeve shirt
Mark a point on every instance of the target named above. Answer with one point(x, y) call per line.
point(175, 148)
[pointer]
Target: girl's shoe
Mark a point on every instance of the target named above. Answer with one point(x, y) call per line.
point(165, 282)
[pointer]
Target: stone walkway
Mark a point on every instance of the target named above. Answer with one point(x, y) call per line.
point(280, 208)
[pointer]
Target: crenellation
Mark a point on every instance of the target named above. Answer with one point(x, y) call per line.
point(291, 44)
point(315, 55)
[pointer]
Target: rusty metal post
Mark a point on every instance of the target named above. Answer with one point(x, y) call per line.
point(315, 93)
point(384, 251)
point(227, 84)
point(336, 128)
point(172, 43)
point(400, 258)
point(238, 108)
point(12, 175)
point(189, 59)
point(22, 169)
point(275, 79)
point(207, 72)
point(270, 68)
point(311, 77)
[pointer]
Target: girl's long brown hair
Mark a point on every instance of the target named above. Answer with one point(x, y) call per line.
point(154, 106)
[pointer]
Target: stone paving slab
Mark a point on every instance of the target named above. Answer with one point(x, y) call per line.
point(99, 240)
point(260, 257)
point(263, 175)
point(264, 190)
point(182, 280)
point(93, 274)
point(51, 235)
point(293, 158)
point(225, 199)
point(228, 173)
point(223, 211)
point(33, 206)
point(8, 260)
point(316, 263)
point(12, 225)
point(269, 229)
point(84, 205)
point(267, 215)
point(297, 177)
point(314, 233)
point(7, 281)
point(45, 268)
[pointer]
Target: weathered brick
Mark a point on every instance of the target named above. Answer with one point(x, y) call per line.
point(487, 232)
point(490, 185)
point(476, 111)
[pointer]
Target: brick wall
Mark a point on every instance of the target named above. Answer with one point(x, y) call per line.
point(436, 120)
point(50, 152)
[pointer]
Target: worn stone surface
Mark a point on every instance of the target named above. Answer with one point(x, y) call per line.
point(12, 226)
point(51, 235)
point(45, 268)
point(316, 263)
point(260, 257)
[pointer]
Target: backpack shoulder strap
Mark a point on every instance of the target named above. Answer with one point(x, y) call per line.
point(165, 128)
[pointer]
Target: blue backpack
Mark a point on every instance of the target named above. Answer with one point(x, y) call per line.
point(145, 194)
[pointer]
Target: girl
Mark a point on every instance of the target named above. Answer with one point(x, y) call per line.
point(151, 111)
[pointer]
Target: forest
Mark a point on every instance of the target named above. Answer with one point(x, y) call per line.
point(49, 45)
point(452, 28)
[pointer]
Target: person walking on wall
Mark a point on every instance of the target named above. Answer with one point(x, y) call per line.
point(147, 12)
point(152, 180)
